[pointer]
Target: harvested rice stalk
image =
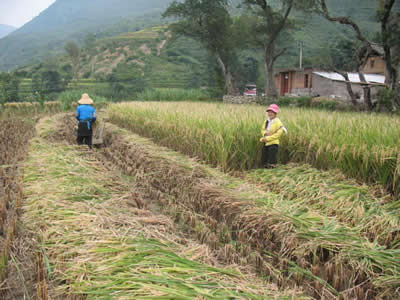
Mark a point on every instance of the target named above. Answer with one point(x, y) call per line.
point(100, 246)
point(265, 221)
point(333, 195)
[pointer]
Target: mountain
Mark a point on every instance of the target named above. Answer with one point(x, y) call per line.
point(6, 30)
point(65, 20)
point(71, 20)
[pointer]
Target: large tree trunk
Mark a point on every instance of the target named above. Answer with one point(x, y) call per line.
point(228, 78)
point(396, 90)
point(269, 81)
point(348, 87)
point(366, 89)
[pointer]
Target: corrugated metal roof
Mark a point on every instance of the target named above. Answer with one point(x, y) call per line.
point(353, 77)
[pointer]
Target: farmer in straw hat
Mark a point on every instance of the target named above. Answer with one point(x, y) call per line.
point(86, 116)
point(271, 131)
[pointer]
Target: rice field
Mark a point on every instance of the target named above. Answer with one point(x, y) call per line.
point(331, 252)
point(99, 240)
point(174, 94)
point(363, 146)
point(23, 109)
point(174, 207)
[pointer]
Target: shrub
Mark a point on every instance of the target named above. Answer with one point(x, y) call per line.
point(304, 101)
point(68, 98)
point(385, 97)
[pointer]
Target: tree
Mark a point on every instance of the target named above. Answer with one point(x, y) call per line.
point(343, 61)
point(47, 82)
point(9, 88)
point(126, 81)
point(272, 19)
point(364, 53)
point(390, 37)
point(209, 22)
point(74, 54)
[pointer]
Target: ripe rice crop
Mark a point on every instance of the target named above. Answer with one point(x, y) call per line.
point(173, 94)
point(28, 108)
point(14, 136)
point(362, 145)
point(287, 241)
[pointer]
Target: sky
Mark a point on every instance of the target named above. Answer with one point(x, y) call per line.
point(18, 12)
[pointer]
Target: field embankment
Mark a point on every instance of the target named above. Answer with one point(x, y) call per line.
point(363, 146)
point(99, 238)
point(317, 248)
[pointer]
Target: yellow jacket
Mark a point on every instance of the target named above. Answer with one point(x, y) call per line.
point(275, 128)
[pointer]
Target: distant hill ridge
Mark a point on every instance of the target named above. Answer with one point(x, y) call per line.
point(5, 30)
point(69, 19)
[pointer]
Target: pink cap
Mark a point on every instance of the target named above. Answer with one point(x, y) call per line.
point(274, 108)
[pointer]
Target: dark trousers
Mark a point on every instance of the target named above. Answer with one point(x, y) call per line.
point(85, 140)
point(269, 156)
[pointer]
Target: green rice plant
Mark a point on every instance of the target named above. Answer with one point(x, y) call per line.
point(362, 145)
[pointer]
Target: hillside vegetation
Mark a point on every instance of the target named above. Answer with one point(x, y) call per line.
point(73, 20)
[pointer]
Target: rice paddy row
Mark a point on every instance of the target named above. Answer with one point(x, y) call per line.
point(14, 136)
point(24, 109)
point(370, 210)
point(99, 241)
point(288, 243)
point(363, 146)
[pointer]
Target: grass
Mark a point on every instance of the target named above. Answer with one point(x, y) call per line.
point(363, 146)
point(102, 247)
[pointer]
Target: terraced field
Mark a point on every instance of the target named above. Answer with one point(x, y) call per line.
point(138, 220)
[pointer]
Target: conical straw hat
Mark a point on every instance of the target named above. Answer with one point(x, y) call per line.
point(85, 100)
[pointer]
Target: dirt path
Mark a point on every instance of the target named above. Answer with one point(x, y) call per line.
point(96, 236)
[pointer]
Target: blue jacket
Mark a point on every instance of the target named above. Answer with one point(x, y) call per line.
point(85, 113)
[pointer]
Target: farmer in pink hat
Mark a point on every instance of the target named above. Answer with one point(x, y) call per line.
point(271, 131)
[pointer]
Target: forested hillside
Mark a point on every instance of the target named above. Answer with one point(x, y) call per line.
point(5, 30)
point(74, 19)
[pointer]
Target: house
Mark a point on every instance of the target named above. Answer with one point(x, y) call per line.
point(313, 82)
point(294, 81)
point(376, 63)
